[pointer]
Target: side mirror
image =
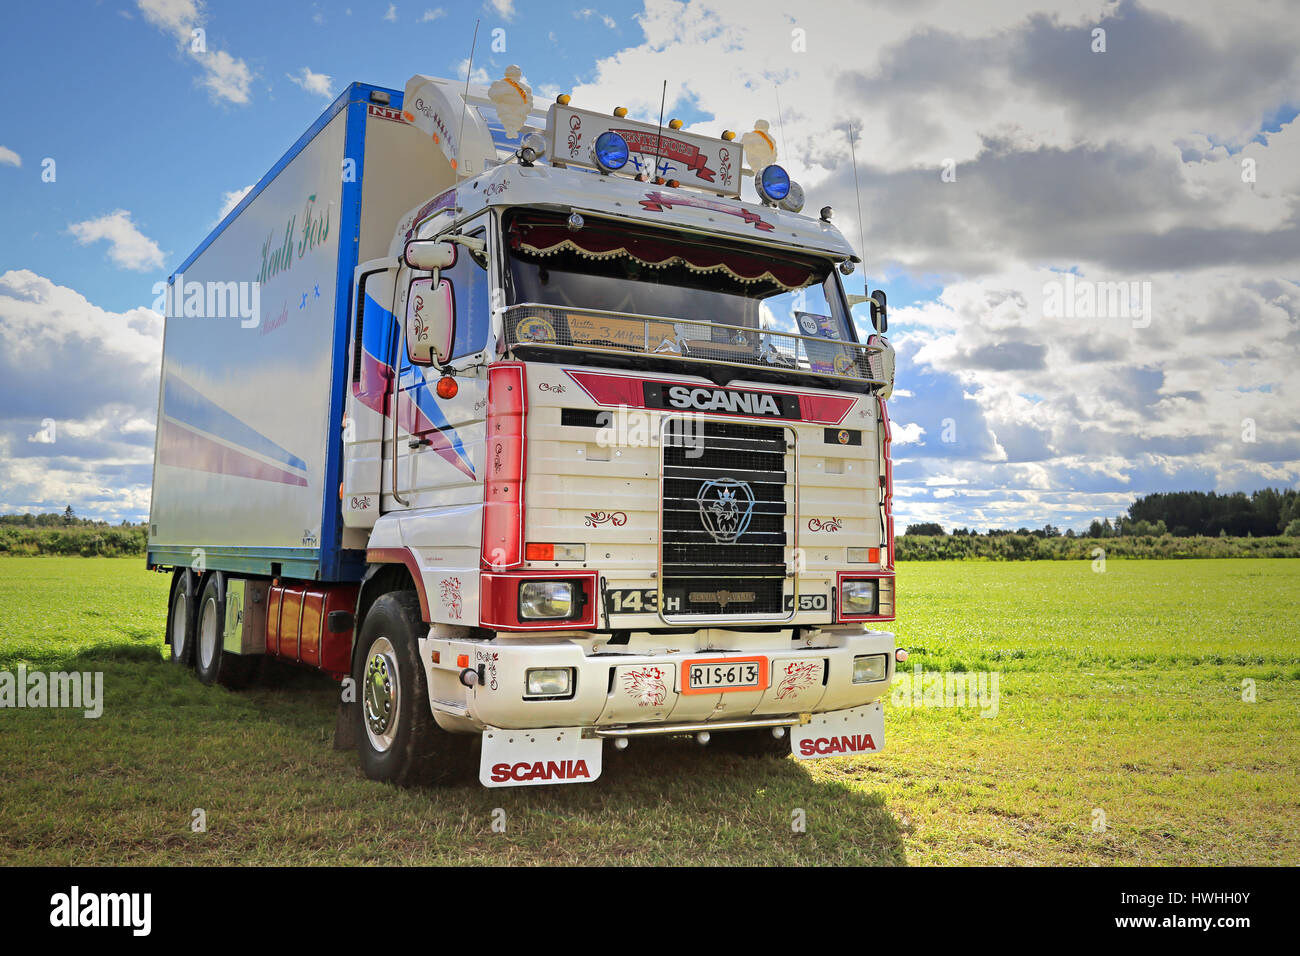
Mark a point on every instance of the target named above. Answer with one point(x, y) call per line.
point(879, 311)
point(429, 255)
point(430, 321)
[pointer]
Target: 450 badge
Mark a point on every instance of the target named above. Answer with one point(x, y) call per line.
point(646, 601)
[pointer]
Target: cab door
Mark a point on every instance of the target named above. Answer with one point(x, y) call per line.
point(369, 395)
point(438, 451)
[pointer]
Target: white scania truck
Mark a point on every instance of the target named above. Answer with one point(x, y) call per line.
point(540, 436)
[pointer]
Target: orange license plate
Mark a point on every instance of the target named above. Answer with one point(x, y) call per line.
point(718, 674)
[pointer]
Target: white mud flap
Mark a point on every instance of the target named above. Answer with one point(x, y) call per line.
point(530, 758)
point(840, 733)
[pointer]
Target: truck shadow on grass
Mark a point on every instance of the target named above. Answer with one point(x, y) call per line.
point(660, 801)
point(262, 761)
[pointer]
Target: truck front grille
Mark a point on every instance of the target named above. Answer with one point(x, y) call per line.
point(723, 549)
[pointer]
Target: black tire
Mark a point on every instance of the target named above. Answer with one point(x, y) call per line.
point(398, 740)
point(758, 742)
point(211, 662)
point(180, 620)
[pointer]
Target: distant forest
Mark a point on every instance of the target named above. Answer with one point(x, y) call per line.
point(1183, 514)
point(1181, 524)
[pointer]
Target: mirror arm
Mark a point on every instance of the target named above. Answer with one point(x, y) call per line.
point(472, 243)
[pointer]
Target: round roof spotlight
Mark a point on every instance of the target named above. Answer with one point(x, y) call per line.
point(609, 152)
point(793, 201)
point(772, 183)
point(576, 222)
point(847, 267)
point(826, 213)
point(531, 149)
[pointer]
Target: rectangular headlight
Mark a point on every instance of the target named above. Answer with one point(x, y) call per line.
point(859, 597)
point(873, 667)
point(549, 681)
point(546, 600)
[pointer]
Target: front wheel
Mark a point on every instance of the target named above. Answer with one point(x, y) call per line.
point(397, 738)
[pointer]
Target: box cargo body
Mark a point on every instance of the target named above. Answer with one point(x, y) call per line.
point(247, 463)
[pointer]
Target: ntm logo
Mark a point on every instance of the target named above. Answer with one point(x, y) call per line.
point(75, 908)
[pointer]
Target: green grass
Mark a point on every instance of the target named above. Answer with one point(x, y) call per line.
point(1119, 692)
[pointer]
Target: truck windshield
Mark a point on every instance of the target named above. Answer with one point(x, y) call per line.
point(607, 270)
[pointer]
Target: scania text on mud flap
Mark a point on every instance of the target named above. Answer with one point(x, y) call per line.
point(544, 435)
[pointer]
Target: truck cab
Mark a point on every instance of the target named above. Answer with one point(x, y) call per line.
point(621, 433)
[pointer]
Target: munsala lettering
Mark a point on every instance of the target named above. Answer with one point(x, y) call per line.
point(539, 770)
point(75, 908)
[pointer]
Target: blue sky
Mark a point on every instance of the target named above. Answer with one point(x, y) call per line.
point(998, 149)
point(125, 116)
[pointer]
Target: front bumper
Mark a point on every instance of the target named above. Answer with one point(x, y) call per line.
point(613, 688)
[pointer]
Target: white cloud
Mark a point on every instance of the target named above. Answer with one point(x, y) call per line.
point(230, 200)
point(9, 158)
point(435, 14)
point(588, 13)
point(1114, 165)
point(225, 76)
point(178, 17)
point(505, 9)
point(908, 434)
point(127, 245)
point(100, 457)
point(318, 83)
point(391, 15)
point(480, 76)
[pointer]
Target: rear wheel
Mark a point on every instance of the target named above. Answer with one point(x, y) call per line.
point(180, 621)
point(397, 738)
point(758, 742)
point(212, 662)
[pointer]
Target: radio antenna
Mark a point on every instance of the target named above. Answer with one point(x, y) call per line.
point(781, 122)
point(862, 236)
point(464, 100)
point(659, 136)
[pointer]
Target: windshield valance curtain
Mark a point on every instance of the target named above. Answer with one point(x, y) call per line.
point(601, 241)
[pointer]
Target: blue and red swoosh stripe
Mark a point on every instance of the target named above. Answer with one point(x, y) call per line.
point(198, 434)
point(418, 411)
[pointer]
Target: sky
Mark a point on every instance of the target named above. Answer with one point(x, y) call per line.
point(1086, 213)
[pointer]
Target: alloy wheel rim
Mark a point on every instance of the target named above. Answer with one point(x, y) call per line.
point(208, 633)
point(180, 625)
point(380, 695)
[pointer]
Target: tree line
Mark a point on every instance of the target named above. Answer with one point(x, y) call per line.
point(1182, 514)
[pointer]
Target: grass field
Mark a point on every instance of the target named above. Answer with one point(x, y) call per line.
point(1120, 694)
